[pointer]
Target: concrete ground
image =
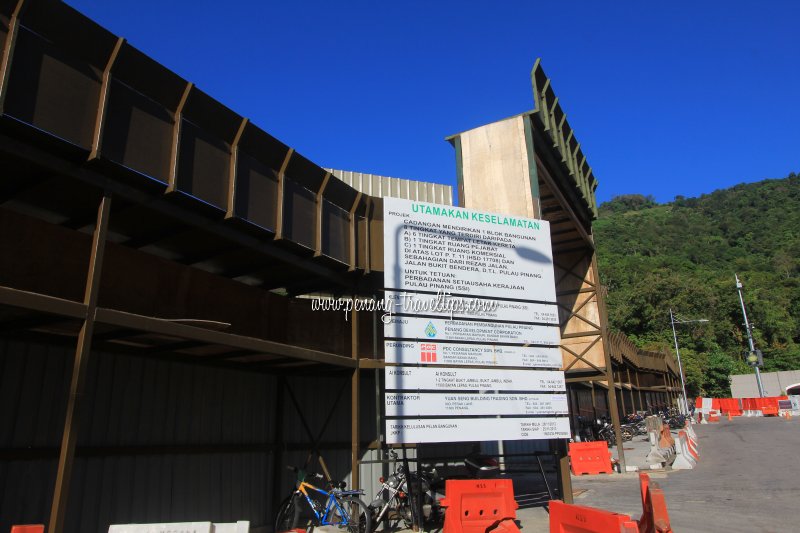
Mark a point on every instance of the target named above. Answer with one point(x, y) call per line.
point(747, 480)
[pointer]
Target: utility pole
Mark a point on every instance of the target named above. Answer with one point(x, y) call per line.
point(739, 288)
point(673, 321)
point(684, 402)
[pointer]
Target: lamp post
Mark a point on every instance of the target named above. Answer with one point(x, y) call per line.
point(739, 288)
point(685, 406)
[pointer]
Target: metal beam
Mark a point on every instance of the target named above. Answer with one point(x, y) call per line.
point(97, 137)
point(41, 302)
point(280, 197)
point(612, 391)
point(172, 184)
point(318, 208)
point(187, 217)
point(8, 50)
point(167, 327)
point(82, 353)
point(234, 158)
point(355, 457)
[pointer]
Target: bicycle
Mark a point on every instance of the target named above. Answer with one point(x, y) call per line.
point(342, 508)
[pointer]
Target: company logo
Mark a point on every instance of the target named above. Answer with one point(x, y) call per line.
point(430, 330)
point(427, 353)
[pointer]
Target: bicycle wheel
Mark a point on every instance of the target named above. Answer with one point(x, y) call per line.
point(359, 519)
point(288, 515)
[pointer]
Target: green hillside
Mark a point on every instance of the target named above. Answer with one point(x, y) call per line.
point(684, 255)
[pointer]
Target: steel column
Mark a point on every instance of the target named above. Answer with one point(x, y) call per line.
point(8, 50)
point(564, 475)
point(82, 353)
point(612, 394)
point(633, 396)
point(354, 404)
point(621, 394)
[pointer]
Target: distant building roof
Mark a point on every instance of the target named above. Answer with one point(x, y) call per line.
point(384, 186)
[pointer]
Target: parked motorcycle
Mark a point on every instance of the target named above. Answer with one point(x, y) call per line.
point(482, 466)
point(606, 433)
point(393, 502)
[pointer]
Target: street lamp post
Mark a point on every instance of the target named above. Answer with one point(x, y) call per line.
point(685, 406)
point(739, 288)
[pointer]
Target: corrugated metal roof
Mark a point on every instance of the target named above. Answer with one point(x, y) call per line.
point(384, 186)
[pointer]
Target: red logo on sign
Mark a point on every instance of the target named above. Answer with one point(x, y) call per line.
point(427, 353)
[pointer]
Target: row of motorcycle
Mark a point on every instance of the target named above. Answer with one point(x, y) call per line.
point(633, 425)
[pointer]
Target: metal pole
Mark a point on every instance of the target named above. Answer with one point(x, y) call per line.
point(749, 335)
point(612, 389)
point(685, 406)
point(355, 427)
point(77, 400)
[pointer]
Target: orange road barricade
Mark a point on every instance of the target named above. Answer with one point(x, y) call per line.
point(769, 410)
point(590, 458)
point(655, 518)
point(477, 505)
point(566, 518)
point(666, 440)
point(38, 528)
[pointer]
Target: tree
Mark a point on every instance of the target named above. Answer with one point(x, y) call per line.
point(717, 382)
point(682, 255)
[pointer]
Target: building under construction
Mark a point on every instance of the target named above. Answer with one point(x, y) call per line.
point(158, 362)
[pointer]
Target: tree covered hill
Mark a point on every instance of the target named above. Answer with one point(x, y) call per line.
point(684, 254)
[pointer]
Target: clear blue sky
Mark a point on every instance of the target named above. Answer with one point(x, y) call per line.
point(676, 98)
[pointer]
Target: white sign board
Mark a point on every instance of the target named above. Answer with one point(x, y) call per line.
point(444, 329)
point(417, 404)
point(475, 429)
point(446, 305)
point(473, 308)
point(432, 247)
point(450, 353)
point(795, 402)
point(461, 379)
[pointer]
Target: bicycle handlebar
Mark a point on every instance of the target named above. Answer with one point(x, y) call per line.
point(296, 470)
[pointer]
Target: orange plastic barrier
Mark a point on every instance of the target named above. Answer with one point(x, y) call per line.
point(38, 528)
point(757, 404)
point(475, 505)
point(769, 410)
point(666, 440)
point(729, 405)
point(566, 518)
point(590, 458)
point(654, 507)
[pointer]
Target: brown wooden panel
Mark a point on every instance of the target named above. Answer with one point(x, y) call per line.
point(203, 166)
point(335, 232)
point(137, 133)
point(376, 235)
point(256, 192)
point(53, 91)
point(298, 214)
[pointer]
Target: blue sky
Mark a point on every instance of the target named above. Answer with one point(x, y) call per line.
point(677, 98)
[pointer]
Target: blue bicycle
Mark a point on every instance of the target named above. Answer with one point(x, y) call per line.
point(342, 508)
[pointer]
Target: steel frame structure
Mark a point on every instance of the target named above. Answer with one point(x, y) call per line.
point(222, 205)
